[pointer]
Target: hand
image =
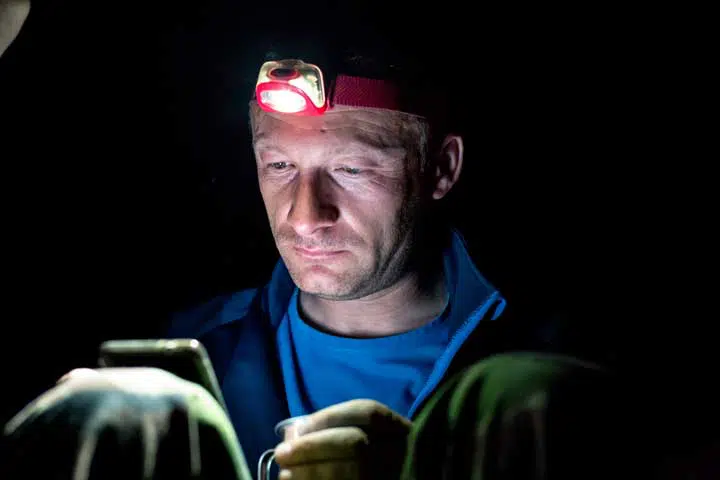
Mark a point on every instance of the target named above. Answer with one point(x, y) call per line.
point(359, 439)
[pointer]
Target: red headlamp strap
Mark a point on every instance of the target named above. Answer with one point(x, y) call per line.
point(365, 92)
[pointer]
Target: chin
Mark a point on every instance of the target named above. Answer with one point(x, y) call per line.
point(326, 283)
point(335, 278)
point(318, 280)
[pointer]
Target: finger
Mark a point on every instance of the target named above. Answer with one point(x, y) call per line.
point(358, 413)
point(343, 469)
point(334, 444)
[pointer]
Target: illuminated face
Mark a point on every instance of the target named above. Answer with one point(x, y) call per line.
point(341, 192)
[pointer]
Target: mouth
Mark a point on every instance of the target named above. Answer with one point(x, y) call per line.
point(317, 253)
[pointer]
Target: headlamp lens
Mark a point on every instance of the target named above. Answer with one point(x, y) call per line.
point(283, 101)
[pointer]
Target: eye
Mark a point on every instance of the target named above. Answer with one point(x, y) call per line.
point(350, 170)
point(278, 165)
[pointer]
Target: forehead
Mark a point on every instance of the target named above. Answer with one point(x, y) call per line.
point(371, 127)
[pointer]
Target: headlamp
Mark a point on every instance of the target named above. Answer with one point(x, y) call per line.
point(291, 86)
point(295, 87)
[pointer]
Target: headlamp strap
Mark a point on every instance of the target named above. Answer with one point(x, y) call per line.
point(354, 91)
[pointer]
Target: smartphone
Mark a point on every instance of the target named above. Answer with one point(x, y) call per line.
point(186, 358)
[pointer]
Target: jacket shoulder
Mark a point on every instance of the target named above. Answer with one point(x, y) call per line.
point(199, 320)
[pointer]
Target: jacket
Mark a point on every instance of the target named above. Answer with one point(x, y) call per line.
point(238, 331)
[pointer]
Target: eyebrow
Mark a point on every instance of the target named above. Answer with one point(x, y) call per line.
point(262, 140)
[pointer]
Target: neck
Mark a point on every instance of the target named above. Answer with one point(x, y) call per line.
point(409, 303)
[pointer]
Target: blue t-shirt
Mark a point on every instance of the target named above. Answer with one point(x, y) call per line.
point(321, 369)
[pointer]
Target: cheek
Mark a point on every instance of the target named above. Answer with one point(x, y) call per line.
point(374, 209)
point(378, 191)
point(272, 199)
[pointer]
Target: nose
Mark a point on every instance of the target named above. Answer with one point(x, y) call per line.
point(312, 207)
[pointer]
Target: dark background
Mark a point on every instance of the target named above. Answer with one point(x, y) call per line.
point(131, 193)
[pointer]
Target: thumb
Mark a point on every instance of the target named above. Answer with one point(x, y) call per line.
point(362, 413)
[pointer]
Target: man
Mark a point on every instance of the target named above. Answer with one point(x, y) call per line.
point(373, 297)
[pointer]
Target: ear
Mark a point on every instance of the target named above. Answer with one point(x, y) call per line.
point(448, 165)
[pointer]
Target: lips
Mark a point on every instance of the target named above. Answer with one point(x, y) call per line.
point(317, 253)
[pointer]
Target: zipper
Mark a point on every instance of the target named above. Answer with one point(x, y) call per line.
point(456, 341)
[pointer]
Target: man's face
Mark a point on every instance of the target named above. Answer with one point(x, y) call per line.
point(341, 193)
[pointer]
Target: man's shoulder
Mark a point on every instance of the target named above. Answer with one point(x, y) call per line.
point(221, 310)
